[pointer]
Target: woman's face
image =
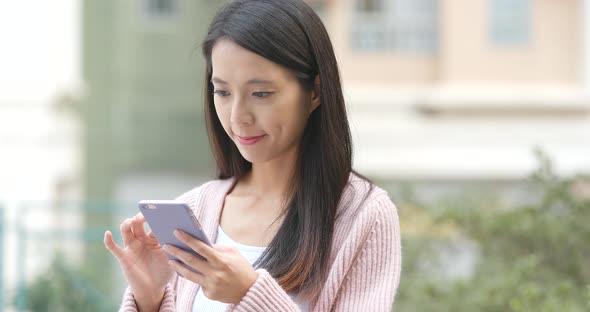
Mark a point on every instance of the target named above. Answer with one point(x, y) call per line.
point(261, 105)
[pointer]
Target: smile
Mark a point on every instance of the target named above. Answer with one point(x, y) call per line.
point(249, 140)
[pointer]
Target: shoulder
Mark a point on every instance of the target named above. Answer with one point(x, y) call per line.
point(361, 196)
point(363, 206)
point(204, 193)
point(366, 218)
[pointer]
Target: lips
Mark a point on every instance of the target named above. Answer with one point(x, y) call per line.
point(249, 140)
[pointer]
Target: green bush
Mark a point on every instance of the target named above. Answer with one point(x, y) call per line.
point(532, 258)
point(64, 288)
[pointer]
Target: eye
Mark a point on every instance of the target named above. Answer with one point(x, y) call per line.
point(262, 94)
point(221, 92)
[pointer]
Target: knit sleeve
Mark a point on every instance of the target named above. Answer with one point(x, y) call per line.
point(265, 295)
point(372, 281)
point(129, 304)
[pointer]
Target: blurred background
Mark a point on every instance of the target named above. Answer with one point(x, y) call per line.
point(473, 114)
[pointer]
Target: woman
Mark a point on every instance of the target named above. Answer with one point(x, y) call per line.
point(295, 228)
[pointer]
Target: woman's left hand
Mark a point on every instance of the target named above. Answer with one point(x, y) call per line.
point(226, 276)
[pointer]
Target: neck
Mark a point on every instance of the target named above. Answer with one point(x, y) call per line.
point(272, 178)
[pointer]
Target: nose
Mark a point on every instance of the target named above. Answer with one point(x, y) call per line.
point(241, 113)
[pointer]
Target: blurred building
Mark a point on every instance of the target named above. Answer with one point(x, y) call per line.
point(464, 90)
point(142, 66)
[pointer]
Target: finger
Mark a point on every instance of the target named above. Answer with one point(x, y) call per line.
point(197, 245)
point(181, 269)
point(223, 248)
point(188, 258)
point(150, 234)
point(126, 232)
point(138, 229)
point(152, 238)
point(112, 246)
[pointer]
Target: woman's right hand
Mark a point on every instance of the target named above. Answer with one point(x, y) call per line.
point(144, 263)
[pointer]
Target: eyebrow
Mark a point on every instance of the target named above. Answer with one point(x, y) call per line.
point(251, 81)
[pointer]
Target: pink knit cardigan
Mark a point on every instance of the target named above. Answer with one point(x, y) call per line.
point(365, 259)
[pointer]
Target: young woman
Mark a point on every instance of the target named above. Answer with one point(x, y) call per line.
point(295, 229)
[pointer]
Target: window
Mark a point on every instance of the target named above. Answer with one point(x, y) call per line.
point(161, 9)
point(510, 21)
point(398, 25)
point(370, 5)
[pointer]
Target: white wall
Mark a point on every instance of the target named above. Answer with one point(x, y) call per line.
point(495, 140)
point(39, 61)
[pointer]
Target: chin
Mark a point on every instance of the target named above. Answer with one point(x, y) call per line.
point(251, 157)
point(254, 158)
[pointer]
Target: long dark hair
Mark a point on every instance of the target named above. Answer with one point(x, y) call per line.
point(289, 33)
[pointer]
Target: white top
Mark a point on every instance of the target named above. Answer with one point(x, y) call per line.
point(252, 253)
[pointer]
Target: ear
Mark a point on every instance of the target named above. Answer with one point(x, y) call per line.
point(315, 95)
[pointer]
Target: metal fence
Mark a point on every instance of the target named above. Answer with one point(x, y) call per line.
point(60, 259)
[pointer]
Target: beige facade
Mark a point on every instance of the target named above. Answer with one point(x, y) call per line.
point(550, 56)
point(465, 52)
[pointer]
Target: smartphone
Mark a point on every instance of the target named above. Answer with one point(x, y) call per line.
point(165, 216)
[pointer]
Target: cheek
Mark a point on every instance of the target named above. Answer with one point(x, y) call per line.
point(292, 119)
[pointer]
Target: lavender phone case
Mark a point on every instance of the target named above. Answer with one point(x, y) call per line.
point(165, 216)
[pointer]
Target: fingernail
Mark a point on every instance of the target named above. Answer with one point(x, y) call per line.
point(177, 233)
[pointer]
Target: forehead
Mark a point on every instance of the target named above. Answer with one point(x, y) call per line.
point(235, 64)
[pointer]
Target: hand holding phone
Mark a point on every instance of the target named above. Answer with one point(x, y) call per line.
point(165, 216)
